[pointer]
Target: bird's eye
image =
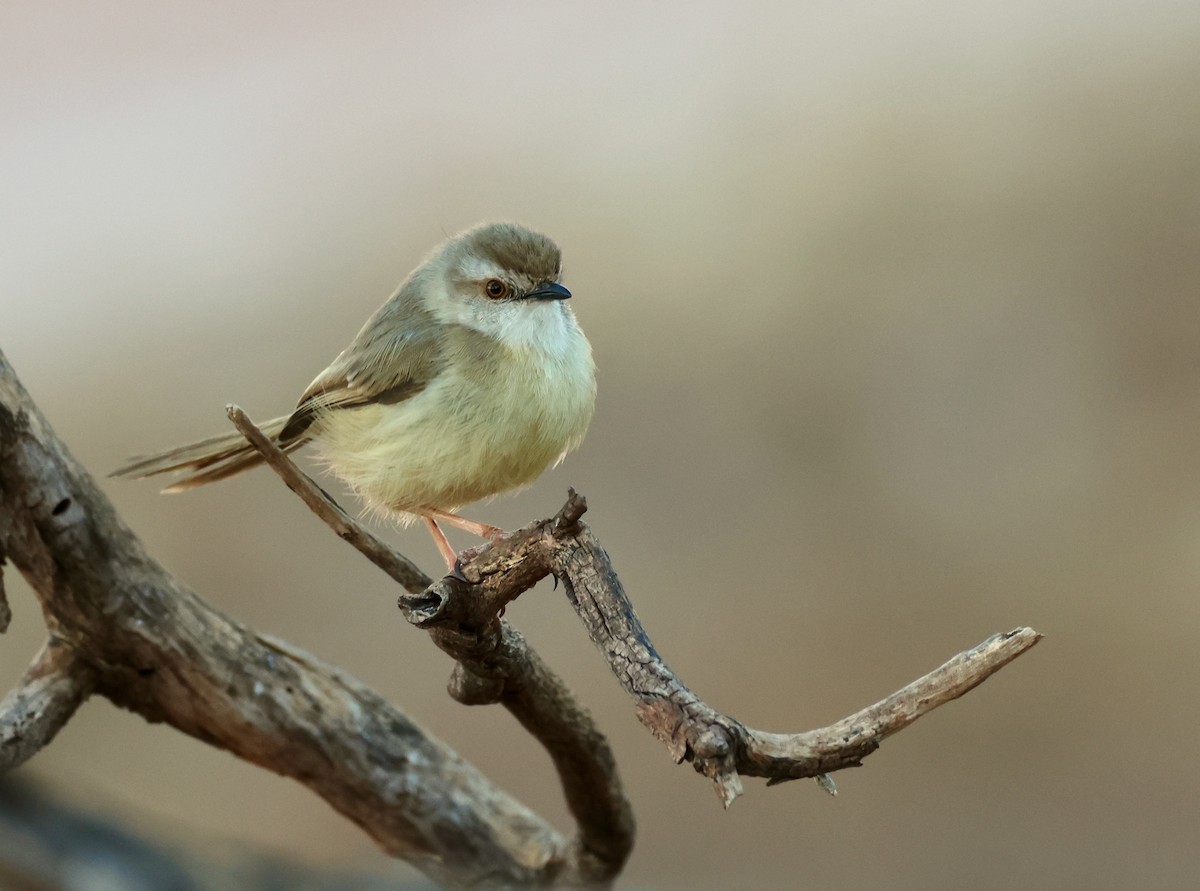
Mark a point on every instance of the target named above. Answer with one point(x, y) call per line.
point(495, 289)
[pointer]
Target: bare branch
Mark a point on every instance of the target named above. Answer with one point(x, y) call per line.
point(41, 703)
point(776, 755)
point(719, 746)
point(461, 614)
point(495, 664)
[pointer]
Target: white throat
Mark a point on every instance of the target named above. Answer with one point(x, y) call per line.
point(533, 324)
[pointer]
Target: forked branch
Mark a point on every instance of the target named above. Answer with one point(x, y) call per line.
point(461, 613)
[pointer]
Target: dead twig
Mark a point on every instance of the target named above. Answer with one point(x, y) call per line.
point(717, 745)
point(461, 614)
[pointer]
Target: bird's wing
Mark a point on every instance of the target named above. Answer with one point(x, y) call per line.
point(395, 356)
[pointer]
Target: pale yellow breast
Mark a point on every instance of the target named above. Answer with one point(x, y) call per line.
point(492, 421)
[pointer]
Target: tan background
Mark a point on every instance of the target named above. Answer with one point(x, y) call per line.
point(895, 309)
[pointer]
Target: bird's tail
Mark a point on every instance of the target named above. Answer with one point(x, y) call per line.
point(208, 460)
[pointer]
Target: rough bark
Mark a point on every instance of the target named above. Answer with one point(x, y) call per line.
point(718, 746)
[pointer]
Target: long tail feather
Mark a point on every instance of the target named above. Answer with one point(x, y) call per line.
point(208, 460)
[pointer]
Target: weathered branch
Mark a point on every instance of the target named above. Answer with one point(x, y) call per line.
point(159, 650)
point(460, 611)
point(719, 746)
point(41, 703)
point(495, 664)
point(781, 756)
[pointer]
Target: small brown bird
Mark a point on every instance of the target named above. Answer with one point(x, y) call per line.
point(471, 380)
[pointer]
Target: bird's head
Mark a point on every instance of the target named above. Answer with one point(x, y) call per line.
point(501, 279)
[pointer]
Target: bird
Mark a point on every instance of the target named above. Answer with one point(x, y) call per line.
point(471, 380)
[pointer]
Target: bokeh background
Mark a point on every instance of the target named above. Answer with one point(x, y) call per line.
point(895, 310)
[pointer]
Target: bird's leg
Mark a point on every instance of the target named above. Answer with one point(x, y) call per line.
point(483, 530)
point(439, 538)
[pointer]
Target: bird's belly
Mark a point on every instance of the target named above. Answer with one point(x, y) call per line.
point(456, 442)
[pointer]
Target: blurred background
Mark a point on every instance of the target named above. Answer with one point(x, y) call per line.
point(895, 312)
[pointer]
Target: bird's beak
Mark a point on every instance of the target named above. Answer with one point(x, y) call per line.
point(548, 291)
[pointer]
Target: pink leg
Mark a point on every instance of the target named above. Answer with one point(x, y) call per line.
point(483, 530)
point(439, 538)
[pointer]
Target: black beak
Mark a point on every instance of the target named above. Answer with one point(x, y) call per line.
point(548, 291)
